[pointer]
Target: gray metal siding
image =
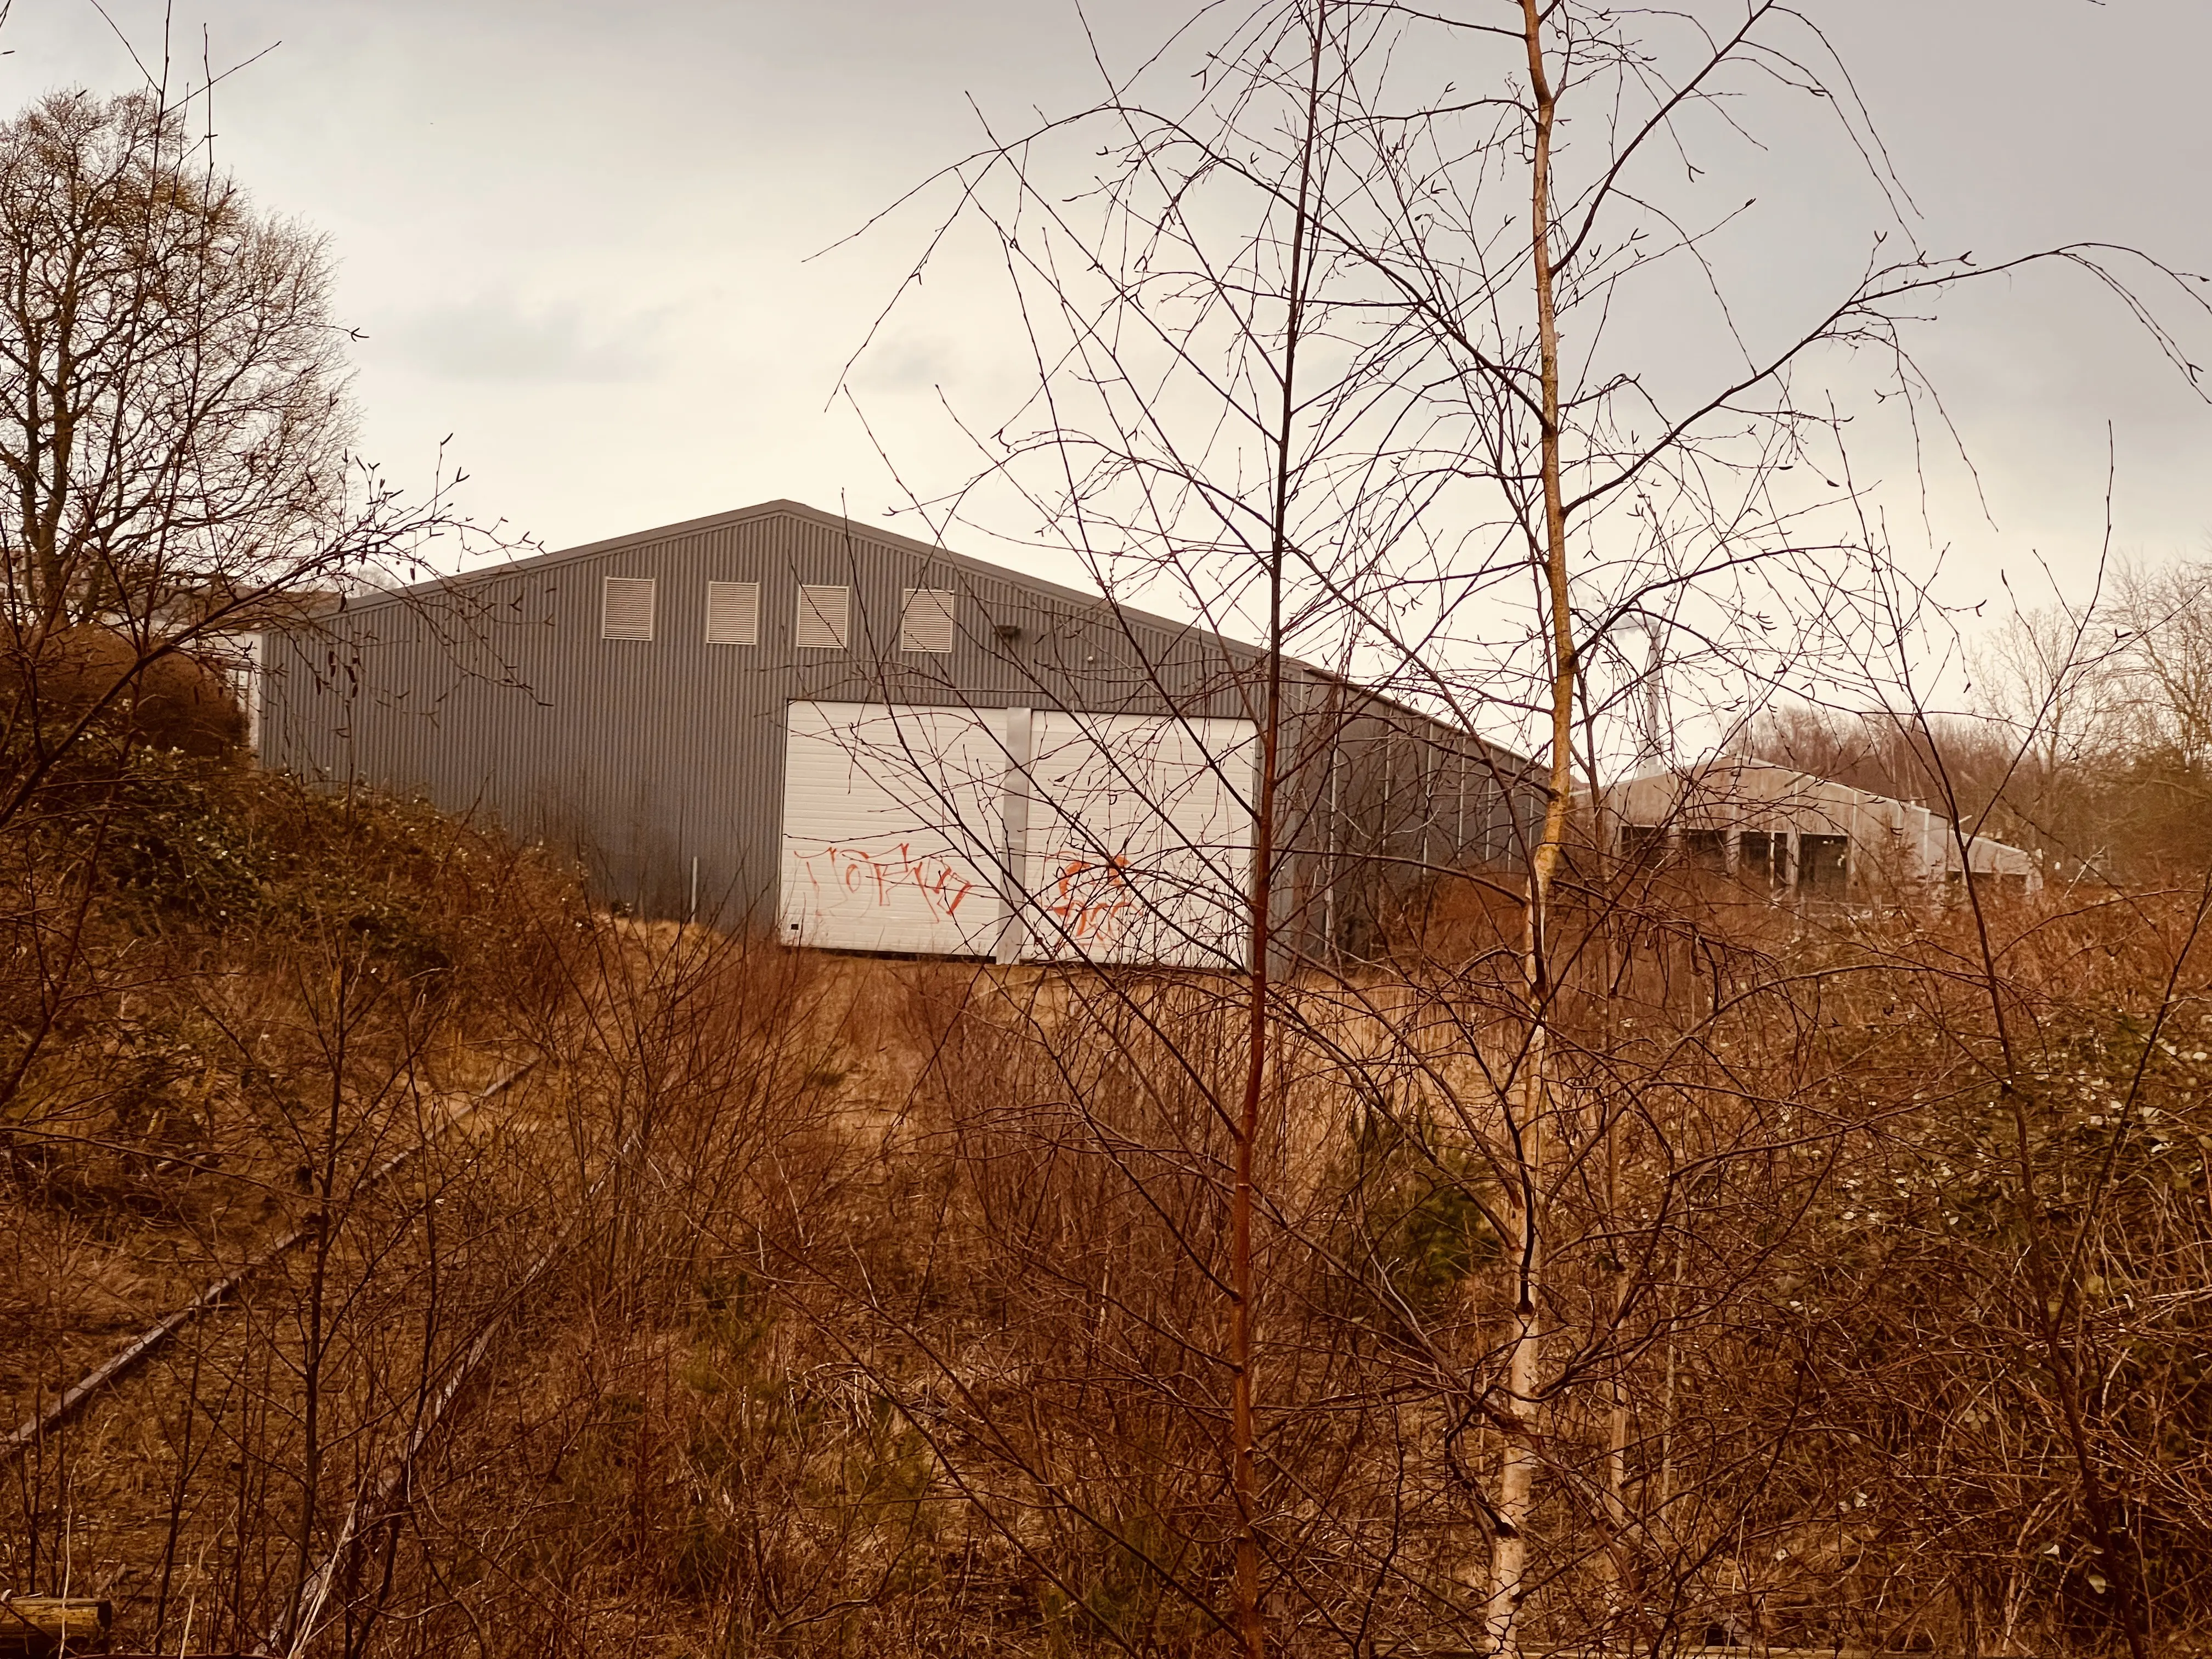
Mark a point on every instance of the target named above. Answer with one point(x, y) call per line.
point(1379, 802)
point(495, 694)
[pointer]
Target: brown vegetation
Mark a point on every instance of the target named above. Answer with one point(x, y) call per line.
point(1609, 1264)
point(881, 1312)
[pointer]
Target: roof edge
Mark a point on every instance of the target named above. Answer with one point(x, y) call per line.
point(788, 508)
point(785, 507)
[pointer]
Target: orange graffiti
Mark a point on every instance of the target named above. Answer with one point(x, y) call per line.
point(857, 869)
point(1087, 914)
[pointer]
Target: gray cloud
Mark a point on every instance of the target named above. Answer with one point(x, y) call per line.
point(579, 234)
point(492, 337)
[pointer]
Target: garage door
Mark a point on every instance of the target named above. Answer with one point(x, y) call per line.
point(894, 828)
point(1138, 839)
point(905, 828)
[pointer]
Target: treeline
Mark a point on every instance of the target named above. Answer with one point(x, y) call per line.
point(2087, 736)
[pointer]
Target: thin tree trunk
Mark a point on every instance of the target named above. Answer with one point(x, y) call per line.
point(311, 1392)
point(1516, 1479)
point(1244, 1477)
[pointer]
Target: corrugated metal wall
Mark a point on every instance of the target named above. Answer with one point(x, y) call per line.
point(495, 694)
point(1382, 801)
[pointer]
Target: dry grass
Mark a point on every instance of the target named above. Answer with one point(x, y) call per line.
point(884, 1309)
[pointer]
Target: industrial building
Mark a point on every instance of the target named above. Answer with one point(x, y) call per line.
point(778, 719)
point(1794, 836)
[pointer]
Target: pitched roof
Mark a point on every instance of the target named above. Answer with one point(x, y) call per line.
point(799, 510)
point(930, 551)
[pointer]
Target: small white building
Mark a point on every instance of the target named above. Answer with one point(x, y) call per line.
point(1797, 836)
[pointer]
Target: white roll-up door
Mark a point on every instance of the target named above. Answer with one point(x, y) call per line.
point(894, 828)
point(1139, 843)
point(1130, 836)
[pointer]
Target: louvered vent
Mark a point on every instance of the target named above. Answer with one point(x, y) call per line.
point(823, 614)
point(925, 620)
point(733, 613)
point(626, 609)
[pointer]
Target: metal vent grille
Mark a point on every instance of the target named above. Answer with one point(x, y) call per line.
point(626, 609)
point(733, 613)
point(925, 620)
point(824, 614)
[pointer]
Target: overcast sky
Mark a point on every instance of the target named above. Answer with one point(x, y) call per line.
point(577, 236)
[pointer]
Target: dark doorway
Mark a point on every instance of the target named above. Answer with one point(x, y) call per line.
point(1643, 844)
point(1754, 857)
point(1707, 849)
point(1823, 865)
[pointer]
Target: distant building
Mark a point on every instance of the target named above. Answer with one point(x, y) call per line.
point(781, 718)
point(1797, 836)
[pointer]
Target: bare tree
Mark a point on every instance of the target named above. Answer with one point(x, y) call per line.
point(175, 391)
point(2168, 613)
point(1333, 349)
point(175, 426)
point(2056, 677)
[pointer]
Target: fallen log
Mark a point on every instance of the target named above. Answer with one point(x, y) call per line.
point(41, 1626)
